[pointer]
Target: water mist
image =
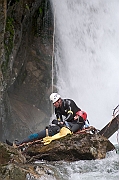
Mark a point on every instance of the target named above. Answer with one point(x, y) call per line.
point(87, 56)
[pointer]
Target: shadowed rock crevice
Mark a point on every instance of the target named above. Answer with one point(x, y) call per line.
point(26, 67)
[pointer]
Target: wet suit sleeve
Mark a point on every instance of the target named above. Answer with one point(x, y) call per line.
point(69, 112)
point(58, 115)
point(58, 119)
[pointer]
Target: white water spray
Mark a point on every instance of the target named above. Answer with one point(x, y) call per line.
point(87, 55)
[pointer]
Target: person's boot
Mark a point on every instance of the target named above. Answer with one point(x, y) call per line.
point(9, 143)
point(30, 138)
point(16, 142)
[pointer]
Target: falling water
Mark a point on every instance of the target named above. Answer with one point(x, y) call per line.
point(87, 61)
point(87, 56)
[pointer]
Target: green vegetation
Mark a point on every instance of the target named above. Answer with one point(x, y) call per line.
point(40, 10)
point(8, 42)
point(27, 7)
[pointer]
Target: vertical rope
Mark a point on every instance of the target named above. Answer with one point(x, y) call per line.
point(53, 54)
point(53, 57)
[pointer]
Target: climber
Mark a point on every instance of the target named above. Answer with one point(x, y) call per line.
point(67, 108)
point(83, 114)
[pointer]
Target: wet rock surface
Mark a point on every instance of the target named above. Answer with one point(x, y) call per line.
point(16, 163)
point(25, 71)
point(72, 148)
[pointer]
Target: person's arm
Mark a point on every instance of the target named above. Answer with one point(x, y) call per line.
point(59, 119)
point(58, 115)
point(69, 116)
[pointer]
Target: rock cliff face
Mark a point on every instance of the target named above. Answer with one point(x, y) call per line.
point(25, 71)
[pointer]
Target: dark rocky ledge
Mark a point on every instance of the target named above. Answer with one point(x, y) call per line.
point(16, 163)
point(71, 148)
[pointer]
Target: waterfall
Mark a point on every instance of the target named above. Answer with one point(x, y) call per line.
point(87, 56)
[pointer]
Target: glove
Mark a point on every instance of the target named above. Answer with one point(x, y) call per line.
point(55, 122)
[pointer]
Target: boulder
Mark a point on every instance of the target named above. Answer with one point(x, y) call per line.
point(71, 148)
point(16, 164)
point(13, 165)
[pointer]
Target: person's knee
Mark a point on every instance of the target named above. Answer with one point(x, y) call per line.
point(52, 130)
point(77, 127)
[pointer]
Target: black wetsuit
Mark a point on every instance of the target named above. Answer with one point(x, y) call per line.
point(69, 109)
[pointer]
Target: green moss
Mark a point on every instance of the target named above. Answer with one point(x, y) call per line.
point(41, 13)
point(42, 7)
point(8, 42)
point(40, 10)
point(27, 7)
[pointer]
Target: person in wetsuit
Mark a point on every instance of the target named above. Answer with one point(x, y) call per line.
point(67, 108)
point(48, 131)
point(63, 107)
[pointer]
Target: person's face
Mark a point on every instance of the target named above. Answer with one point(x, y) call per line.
point(58, 103)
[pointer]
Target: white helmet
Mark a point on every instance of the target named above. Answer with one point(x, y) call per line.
point(54, 97)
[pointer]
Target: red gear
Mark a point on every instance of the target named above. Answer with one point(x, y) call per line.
point(83, 114)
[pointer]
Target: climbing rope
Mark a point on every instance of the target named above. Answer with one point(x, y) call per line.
point(53, 53)
point(53, 57)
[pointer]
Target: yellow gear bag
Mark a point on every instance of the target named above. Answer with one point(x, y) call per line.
point(63, 132)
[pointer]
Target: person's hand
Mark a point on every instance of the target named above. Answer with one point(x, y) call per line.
point(61, 122)
point(76, 117)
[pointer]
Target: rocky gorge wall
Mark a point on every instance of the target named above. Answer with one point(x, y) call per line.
point(26, 28)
